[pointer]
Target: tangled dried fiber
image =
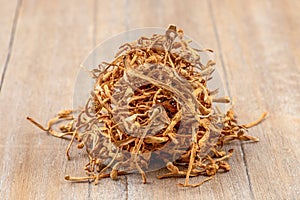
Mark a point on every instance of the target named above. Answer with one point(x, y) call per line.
point(151, 108)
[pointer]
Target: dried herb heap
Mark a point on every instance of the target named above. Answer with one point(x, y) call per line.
point(150, 107)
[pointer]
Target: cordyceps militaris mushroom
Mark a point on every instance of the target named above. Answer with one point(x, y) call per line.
point(151, 108)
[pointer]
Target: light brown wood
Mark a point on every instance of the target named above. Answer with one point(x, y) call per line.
point(258, 42)
point(51, 39)
point(7, 22)
point(257, 49)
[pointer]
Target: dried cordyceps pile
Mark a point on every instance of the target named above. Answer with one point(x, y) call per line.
point(149, 108)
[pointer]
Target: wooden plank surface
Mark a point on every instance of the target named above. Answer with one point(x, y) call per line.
point(8, 21)
point(45, 56)
point(257, 49)
point(260, 57)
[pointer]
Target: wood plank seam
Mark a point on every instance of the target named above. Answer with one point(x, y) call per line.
point(127, 25)
point(247, 170)
point(89, 191)
point(126, 184)
point(228, 89)
point(95, 10)
point(219, 47)
point(11, 41)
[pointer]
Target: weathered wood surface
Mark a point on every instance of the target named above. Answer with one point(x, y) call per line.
point(257, 47)
point(8, 24)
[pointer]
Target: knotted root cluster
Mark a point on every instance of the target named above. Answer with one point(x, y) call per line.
point(151, 108)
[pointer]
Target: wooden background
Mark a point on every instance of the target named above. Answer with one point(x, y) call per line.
point(257, 49)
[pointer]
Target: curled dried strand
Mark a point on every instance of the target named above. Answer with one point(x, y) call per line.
point(259, 120)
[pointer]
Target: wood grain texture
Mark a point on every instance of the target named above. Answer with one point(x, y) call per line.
point(51, 40)
point(8, 21)
point(263, 74)
point(257, 49)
